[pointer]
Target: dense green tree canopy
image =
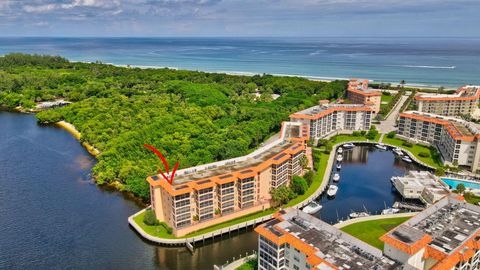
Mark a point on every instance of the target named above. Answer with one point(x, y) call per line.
point(192, 117)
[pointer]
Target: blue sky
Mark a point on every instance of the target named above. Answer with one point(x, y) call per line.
point(240, 18)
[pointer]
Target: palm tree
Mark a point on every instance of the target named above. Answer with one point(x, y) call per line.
point(402, 83)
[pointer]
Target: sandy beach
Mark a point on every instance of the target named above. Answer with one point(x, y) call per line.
point(72, 130)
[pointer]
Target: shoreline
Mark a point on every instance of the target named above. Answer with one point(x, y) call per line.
point(72, 130)
point(250, 74)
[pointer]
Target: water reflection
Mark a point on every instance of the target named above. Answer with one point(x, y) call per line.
point(364, 183)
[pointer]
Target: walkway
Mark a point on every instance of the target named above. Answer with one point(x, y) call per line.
point(388, 124)
point(375, 217)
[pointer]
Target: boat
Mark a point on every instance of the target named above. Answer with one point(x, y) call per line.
point(340, 150)
point(381, 146)
point(398, 151)
point(312, 207)
point(336, 177)
point(390, 211)
point(358, 214)
point(339, 158)
point(407, 159)
point(339, 166)
point(332, 190)
point(348, 145)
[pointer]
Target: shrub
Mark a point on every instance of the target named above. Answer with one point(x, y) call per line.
point(167, 228)
point(391, 134)
point(217, 211)
point(309, 177)
point(149, 218)
point(440, 172)
point(424, 154)
point(407, 144)
point(460, 188)
point(356, 133)
point(363, 132)
point(299, 185)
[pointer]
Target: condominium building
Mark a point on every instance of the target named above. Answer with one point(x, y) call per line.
point(442, 237)
point(296, 240)
point(326, 119)
point(358, 92)
point(463, 102)
point(457, 140)
point(209, 194)
point(421, 185)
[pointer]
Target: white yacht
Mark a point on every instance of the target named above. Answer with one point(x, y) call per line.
point(348, 145)
point(312, 207)
point(381, 146)
point(332, 190)
point(390, 211)
point(339, 158)
point(336, 177)
point(340, 150)
point(358, 214)
point(339, 166)
point(407, 159)
point(398, 151)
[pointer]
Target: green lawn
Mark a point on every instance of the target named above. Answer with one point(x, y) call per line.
point(385, 100)
point(347, 138)
point(415, 150)
point(158, 231)
point(320, 167)
point(371, 231)
point(251, 264)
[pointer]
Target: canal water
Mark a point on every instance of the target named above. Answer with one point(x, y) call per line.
point(52, 216)
point(364, 183)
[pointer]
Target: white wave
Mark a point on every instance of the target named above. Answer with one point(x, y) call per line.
point(414, 66)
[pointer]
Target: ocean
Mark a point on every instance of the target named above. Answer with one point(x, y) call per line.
point(449, 62)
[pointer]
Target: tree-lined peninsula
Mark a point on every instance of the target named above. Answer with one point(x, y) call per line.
point(192, 117)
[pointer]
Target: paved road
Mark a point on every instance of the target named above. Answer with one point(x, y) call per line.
point(388, 124)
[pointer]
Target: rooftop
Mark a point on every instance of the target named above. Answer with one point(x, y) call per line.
point(463, 93)
point(236, 165)
point(448, 224)
point(326, 244)
point(328, 108)
point(423, 179)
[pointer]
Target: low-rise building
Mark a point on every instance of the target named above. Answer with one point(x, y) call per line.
point(463, 102)
point(326, 119)
point(296, 240)
point(421, 185)
point(209, 194)
point(358, 92)
point(442, 237)
point(456, 140)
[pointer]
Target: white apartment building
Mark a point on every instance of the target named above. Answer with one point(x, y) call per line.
point(326, 119)
point(463, 102)
point(457, 140)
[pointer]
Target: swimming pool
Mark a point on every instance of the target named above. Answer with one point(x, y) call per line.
point(454, 182)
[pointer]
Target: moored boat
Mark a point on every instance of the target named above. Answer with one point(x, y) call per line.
point(336, 177)
point(407, 159)
point(339, 166)
point(339, 158)
point(358, 214)
point(390, 211)
point(340, 150)
point(332, 190)
point(348, 145)
point(312, 207)
point(398, 151)
point(381, 146)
